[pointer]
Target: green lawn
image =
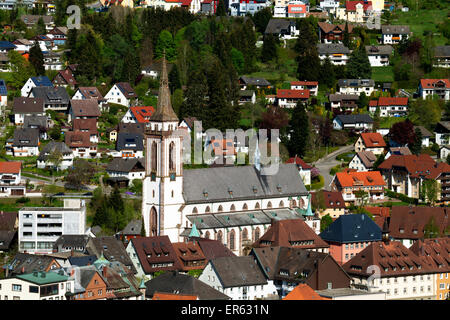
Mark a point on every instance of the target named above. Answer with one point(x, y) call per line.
point(383, 74)
point(387, 122)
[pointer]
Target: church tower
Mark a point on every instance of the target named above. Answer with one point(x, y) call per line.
point(162, 194)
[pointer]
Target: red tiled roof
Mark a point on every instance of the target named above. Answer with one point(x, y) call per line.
point(417, 166)
point(173, 296)
point(379, 211)
point(76, 139)
point(332, 199)
point(292, 94)
point(373, 140)
point(304, 83)
point(10, 166)
point(142, 114)
point(389, 101)
point(301, 8)
point(186, 3)
point(68, 77)
point(351, 5)
point(85, 124)
point(288, 233)
point(188, 252)
point(303, 292)
point(338, 28)
point(299, 161)
point(367, 178)
point(430, 83)
point(435, 252)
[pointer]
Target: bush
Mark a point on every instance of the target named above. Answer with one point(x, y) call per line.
point(400, 196)
point(317, 185)
point(23, 200)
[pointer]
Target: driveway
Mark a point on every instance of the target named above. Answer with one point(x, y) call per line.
point(328, 162)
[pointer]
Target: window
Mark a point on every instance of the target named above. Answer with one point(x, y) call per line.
point(232, 240)
point(16, 287)
point(100, 292)
point(34, 289)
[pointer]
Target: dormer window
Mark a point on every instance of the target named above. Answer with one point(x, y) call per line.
point(255, 190)
point(205, 193)
point(279, 188)
point(230, 192)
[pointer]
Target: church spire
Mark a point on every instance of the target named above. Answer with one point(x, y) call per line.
point(164, 110)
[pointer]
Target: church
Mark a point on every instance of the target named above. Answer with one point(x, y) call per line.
point(232, 204)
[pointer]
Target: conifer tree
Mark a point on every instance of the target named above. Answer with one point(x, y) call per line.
point(36, 58)
point(299, 129)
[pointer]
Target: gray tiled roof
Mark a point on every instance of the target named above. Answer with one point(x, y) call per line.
point(330, 48)
point(354, 118)
point(355, 82)
point(442, 51)
point(377, 50)
point(389, 29)
point(125, 165)
point(51, 95)
point(238, 271)
point(26, 137)
point(35, 121)
point(133, 138)
point(51, 147)
point(241, 181)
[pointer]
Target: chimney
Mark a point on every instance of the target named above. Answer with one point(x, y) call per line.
point(105, 268)
point(71, 253)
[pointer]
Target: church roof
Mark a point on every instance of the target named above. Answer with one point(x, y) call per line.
point(164, 110)
point(240, 183)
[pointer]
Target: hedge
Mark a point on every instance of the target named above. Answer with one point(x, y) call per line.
point(400, 196)
point(317, 185)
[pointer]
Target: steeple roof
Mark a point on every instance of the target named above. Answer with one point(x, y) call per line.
point(164, 110)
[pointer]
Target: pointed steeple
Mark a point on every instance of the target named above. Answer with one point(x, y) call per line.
point(164, 110)
point(309, 212)
point(194, 232)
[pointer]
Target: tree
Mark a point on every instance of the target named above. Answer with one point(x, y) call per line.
point(269, 48)
point(238, 60)
point(429, 191)
point(327, 74)
point(362, 196)
point(403, 133)
point(318, 201)
point(325, 222)
point(165, 44)
point(261, 19)
point(426, 112)
point(416, 146)
point(221, 9)
point(81, 173)
point(358, 65)
point(431, 229)
point(448, 159)
point(380, 160)
point(299, 130)
point(40, 27)
point(36, 58)
point(308, 57)
point(21, 69)
point(346, 37)
point(363, 100)
point(274, 118)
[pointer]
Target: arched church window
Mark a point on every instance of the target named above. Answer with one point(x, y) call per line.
point(232, 239)
point(172, 156)
point(153, 222)
point(154, 156)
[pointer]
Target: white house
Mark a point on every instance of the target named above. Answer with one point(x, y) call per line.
point(38, 285)
point(10, 179)
point(379, 55)
point(25, 143)
point(437, 87)
point(44, 159)
point(39, 228)
point(370, 141)
point(356, 86)
point(84, 93)
point(121, 93)
point(389, 106)
point(362, 161)
point(129, 168)
point(329, 5)
point(40, 81)
point(391, 34)
point(444, 152)
point(220, 273)
point(358, 122)
point(23, 45)
point(442, 133)
point(312, 86)
point(336, 52)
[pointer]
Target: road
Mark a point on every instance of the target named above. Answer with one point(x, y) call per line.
point(328, 162)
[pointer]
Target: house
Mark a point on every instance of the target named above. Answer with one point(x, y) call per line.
point(111, 250)
point(426, 135)
point(259, 83)
point(81, 145)
point(209, 7)
point(370, 141)
point(86, 125)
point(336, 52)
point(36, 286)
point(55, 148)
point(3, 95)
point(4, 63)
point(303, 292)
point(406, 173)
point(329, 5)
point(85, 93)
point(152, 254)
point(356, 86)
point(10, 179)
point(71, 243)
point(379, 55)
point(363, 161)
point(312, 86)
point(25, 143)
point(173, 281)
point(44, 42)
point(355, 11)
point(23, 45)
point(52, 60)
point(389, 106)
point(190, 255)
point(285, 268)
point(90, 285)
point(380, 216)
point(32, 20)
point(397, 151)
point(189, 124)
point(23, 263)
point(431, 87)
point(121, 93)
point(40, 81)
point(130, 145)
point(243, 7)
point(139, 114)
point(435, 253)
point(304, 169)
point(39, 228)
point(329, 203)
point(131, 231)
point(402, 274)
point(37, 122)
point(291, 233)
point(356, 122)
point(6, 46)
point(282, 28)
point(442, 133)
point(23, 107)
point(441, 57)
point(8, 230)
point(246, 96)
point(348, 183)
point(240, 278)
point(287, 98)
point(343, 103)
point(331, 33)
point(58, 35)
point(136, 128)
point(444, 152)
point(173, 296)
point(193, 6)
point(55, 98)
point(84, 109)
point(290, 9)
point(391, 34)
point(126, 168)
point(407, 224)
point(65, 78)
point(349, 235)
